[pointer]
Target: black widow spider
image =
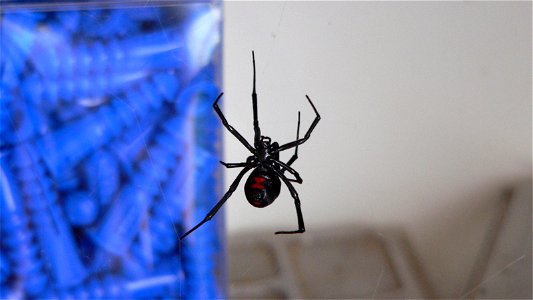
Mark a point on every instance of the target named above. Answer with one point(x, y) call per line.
point(263, 184)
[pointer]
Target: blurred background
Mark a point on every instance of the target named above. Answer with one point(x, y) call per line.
point(425, 141)
point(417, 180)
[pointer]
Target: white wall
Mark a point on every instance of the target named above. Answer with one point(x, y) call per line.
point(426, 115)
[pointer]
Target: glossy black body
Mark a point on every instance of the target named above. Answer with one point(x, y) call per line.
point(262, 187)
point(264, 183)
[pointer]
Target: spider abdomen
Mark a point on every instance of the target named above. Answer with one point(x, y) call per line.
point(262, 187)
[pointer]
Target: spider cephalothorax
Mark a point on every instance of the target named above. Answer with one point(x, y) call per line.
point(265, 149)
point(264, 183)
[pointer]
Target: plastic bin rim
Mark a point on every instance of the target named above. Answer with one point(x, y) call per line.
point(65, 5)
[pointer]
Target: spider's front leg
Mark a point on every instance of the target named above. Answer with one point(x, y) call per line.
point(229, 127)
point(307, 134)
point(294, 157)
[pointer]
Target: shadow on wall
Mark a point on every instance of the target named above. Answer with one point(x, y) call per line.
point(456, 244)
point(484, 250)
point(331, 263)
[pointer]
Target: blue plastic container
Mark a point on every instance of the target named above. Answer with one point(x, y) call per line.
point(109, 150)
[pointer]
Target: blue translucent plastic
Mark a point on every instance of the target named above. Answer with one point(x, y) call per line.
point(109, 150)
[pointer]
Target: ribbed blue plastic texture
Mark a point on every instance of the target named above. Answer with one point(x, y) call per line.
point(109, 150)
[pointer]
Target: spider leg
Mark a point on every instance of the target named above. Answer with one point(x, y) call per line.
point(257, 130)
point(215, 209)
point(286, 167)
point(307, 134)
point(294, 194)
point(295, 155)
point(234, 165)
point(229, 127)
point(250, 161)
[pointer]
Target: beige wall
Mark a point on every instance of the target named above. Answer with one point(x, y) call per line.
point(426, 112)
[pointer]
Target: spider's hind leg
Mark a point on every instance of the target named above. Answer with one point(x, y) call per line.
point(286, 167)
point(294, 194)
point(219, 204)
